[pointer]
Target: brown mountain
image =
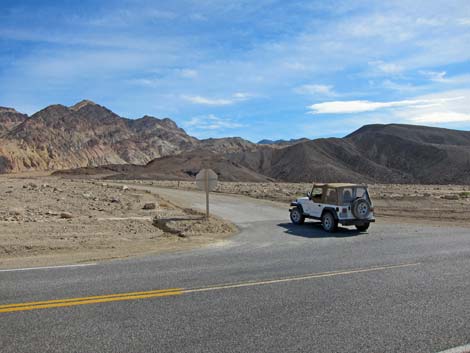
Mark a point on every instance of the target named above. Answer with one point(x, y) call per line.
point(85, 134)
point(418, 154)
point(375, 153)
point(9, 119)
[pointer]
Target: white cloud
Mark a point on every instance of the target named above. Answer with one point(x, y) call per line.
point(449, 109)
point(235, 98)
point(242, 96)
point(435, 76)
point(188, 73)
point(211, 122)
point(207, 101)
point(360, 106)
point(198, 17)
point(387, 68)
point(440, 117)
point(145, 82)
point(464, 21)
point(399, 87)
point(295, 66)
point(441, 77)
point(426, 21)
point(315, 89)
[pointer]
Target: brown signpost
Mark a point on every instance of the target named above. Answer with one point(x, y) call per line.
point(206, 180)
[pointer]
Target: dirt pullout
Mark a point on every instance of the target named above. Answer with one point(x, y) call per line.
point(436, 204)
point(48, 221)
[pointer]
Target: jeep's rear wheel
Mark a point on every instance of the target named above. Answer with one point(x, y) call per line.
point(363, 227)
point(296, 216)
point(329, 223)
point(360, 208)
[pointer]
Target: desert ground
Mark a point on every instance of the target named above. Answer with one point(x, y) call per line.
point(50, 221)
point(47, 220)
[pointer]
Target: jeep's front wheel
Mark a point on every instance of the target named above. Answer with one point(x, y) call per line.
point(363, 227)
point(328, 222)
point(296, 216)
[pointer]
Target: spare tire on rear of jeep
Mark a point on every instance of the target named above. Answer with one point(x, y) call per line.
point(360, 208)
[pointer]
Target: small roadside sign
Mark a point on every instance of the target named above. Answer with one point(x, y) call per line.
point(206, 180)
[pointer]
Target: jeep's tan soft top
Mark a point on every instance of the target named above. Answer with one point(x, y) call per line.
point(338, 185)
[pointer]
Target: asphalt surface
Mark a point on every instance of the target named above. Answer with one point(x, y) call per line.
point(397, 288)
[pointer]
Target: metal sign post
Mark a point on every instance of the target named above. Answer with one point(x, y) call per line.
point(206, 180)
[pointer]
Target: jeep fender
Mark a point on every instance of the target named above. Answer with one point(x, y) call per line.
point(297, 205)
point(332, 210)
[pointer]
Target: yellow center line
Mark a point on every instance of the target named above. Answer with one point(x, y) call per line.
point(57, 301)
point(93, 301)
point(7, 308)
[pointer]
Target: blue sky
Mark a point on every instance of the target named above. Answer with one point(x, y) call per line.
point(255, 69)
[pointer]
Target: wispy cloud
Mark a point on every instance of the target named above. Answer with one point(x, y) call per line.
point(453, 107)
point(207, 101)
point(147, 82)
point(387, 67)
point(426, 21)
point(235, 98)
point(436, 76)
point(188, 73)
point(400, 87)
point(440, 117)
point(464, 21)
point(211, 122)
point(360, 106)
point(316, 89)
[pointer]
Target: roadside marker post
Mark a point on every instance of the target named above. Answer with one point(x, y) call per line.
point(206, 180)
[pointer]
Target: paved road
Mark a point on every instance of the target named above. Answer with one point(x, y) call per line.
point(274, 287)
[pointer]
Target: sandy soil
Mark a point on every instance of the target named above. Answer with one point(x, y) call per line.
point(435, 204)
point(46, 220)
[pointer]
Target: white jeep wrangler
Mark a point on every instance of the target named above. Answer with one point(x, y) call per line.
point(346, 204)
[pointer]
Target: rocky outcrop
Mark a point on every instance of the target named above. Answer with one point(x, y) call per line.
point(9, 119)
point(86, 134)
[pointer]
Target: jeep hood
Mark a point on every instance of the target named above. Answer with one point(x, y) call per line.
point(302, 198)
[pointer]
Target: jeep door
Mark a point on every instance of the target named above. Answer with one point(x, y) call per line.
point(315, 206)
point(331, 197)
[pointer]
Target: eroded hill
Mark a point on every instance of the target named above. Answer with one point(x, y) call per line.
point(375, 153)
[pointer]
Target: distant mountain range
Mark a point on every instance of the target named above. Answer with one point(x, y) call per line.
point(90, 139)
point(282, 142)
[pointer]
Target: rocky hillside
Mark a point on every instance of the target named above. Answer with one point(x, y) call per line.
point(85, 134)
point(9, 119)
point(375, 153)
point(416, 154)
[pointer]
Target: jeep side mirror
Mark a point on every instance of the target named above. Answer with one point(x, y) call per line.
point(309, 194)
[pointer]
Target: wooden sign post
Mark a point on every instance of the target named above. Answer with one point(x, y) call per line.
point(206, 180)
